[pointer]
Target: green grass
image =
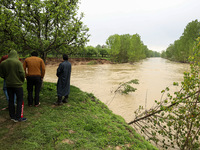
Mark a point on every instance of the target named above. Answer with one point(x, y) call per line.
point(85, 123)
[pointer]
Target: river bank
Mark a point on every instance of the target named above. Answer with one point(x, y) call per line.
point(78, 61)
point(83, 123)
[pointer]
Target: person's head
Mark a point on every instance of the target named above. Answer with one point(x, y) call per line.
point(34, 53)
point(65, 57)
point(13, 54)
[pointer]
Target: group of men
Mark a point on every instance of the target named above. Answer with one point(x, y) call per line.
point(33, 69)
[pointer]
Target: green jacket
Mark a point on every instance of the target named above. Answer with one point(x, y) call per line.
point(12, 70)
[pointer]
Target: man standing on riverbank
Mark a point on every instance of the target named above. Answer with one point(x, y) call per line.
point(34, 70)
point(12, 71)
point(63, 84)
point(4, 85)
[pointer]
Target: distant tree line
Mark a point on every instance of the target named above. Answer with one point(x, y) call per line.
point(128, 48)
point(104, 51)
point(91, 52)
point(182, 48)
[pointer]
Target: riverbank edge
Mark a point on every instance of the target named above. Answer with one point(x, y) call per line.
point(76, 61)
point(83, 123)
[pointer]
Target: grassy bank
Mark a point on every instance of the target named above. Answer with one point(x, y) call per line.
point(84, 123)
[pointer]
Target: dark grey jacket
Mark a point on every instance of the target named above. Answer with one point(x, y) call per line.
point(63, 74)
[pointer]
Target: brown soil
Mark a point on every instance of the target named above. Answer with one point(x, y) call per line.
point(77, 61)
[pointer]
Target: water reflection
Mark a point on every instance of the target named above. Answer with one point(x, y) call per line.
point(154, 74)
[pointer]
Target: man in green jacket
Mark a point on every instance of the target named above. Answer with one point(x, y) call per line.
point(12, 71)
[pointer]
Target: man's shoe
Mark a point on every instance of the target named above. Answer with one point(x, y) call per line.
point(20, 120)
point(37, 105)
point(65, 101)
point(13, 119)
point(58, 103)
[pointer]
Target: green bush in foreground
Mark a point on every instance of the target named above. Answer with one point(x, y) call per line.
point(85, 123)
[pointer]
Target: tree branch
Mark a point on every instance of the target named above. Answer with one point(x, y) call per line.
point(153, 113)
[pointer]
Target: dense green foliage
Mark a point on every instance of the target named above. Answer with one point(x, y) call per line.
point(127, 48)
point(46, 26)
point(175, 120)
point(83, 123)
point(182, 48)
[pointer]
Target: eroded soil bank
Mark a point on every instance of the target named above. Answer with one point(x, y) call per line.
point(77, 61)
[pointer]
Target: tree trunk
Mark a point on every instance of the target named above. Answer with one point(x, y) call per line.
point(44, 56)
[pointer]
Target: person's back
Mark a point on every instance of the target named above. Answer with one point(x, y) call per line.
point(34, 66)
point(63, 83)
point(13, 70)
point(4, 85)
point(35, 70)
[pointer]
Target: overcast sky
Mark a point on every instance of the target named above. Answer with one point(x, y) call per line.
point(158, 22)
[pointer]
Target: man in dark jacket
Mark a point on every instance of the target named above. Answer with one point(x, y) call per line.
point(12, 71)
point(63, 84)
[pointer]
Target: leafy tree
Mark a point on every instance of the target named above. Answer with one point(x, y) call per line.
point(103, 52)
point(181, 49)
point(7, 27)
point(127, 48)
point(42, 25)
point(190, 34)
point(82, 52)
point(163, 54)
point(169, 51)
point(91, 51)
point(153, 54)
point(125, 44)
point(146, 51)
point(136, 51)
point(98, 49)
point(114, 46)
point(175, 120)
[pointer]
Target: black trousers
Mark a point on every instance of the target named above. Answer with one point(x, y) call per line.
point(19, 94)
point(33, 81)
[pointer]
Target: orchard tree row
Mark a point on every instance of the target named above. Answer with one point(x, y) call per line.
point(46, 26)
point(91, 52)
point(182, 48)
point(128, 48)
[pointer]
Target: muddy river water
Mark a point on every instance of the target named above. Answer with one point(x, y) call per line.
point(154, 75)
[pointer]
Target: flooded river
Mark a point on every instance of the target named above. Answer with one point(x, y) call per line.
point(154, 75)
